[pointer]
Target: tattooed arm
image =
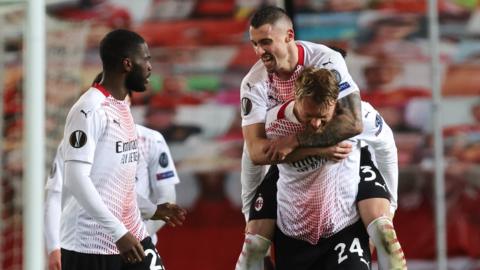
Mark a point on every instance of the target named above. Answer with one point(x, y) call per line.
point(346, 123)
point(256, 143)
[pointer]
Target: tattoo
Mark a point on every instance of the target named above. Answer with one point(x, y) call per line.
point(346, 123)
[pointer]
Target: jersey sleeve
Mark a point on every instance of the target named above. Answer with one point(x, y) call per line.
point(379, 137)
point(83, 128)
point(147, 207)
point(253, 103)
point(335, 62)
point(250, 177)
point(161, 167)
point(53, 209)
point(55, 177)
point(79, 183)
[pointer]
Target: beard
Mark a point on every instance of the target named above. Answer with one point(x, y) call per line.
point(135, 81)
point(269, 62)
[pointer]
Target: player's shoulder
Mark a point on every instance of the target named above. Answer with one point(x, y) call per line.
point(367, 109)
point(318, 54)
point(150, 134)
point(312, 48)
point(372, 120)
point(89, 101)
point(256, 76)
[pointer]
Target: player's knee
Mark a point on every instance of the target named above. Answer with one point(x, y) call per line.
point(262, 227)
point(371, 209)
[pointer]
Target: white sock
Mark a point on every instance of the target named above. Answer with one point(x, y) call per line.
point(254, 249)
point(389, 252)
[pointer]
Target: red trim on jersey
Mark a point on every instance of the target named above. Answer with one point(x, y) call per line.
point(301, 60)
point(101, 89)
point(281, 111)
point(301, 55)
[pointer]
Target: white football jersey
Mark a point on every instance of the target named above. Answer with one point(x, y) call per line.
point(316, 197)
point(156, 167)
point(100, 130)
point(381, 144)
point(261, 91)
point(152, 176)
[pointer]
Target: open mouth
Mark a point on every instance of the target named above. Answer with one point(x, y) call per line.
point(267, 58)
point(268, 61)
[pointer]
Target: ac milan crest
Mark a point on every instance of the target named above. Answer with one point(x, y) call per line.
point(259, 203)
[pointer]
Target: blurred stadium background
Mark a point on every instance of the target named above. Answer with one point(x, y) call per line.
point(201, 51)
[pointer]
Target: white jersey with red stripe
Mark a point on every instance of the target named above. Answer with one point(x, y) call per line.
point(261, 91)
point(100, 130)
point(316, 197)
point(155, 172)
point(156, 167)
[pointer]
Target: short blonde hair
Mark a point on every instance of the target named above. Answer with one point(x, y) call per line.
point(318, 83)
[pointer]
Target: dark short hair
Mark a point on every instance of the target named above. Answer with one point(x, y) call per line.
point(117, 45)
point(318, 83)
point(268, 15)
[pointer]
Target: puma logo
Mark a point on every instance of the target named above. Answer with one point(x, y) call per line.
point(249, 86)
point(329, 62)
point(116, 122)
point(367, 114)
point(85, 113)
point(380, 185)
point(365, 262)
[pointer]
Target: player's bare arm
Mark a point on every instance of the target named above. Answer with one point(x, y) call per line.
point(346, 123)
point(335, 152)
point(54, 260)
point(258, 146)
point(256, 141)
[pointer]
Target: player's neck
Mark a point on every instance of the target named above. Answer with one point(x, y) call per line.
point(290, 64)
point(115, 86)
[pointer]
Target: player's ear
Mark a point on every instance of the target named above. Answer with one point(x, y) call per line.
point(127, 64)
point(290, 35)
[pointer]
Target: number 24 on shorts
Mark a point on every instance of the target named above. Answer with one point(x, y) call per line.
point(355, 247)
point(153, 262)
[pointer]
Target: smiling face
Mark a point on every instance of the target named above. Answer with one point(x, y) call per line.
point(271, 42)
point(137, 79)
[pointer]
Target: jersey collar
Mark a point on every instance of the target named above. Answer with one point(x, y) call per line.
point(301, 55)
point(101, 89)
